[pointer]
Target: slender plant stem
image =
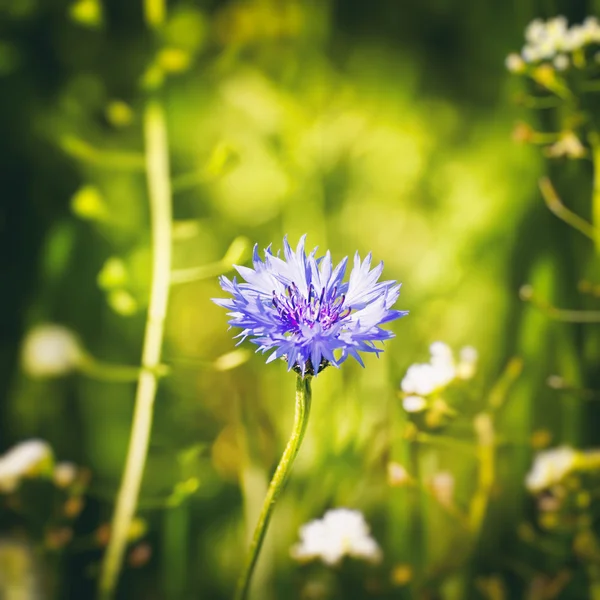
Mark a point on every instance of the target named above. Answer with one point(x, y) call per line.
point(554, 203)
point(160, 214)
point(594, 139)
point(303, 400)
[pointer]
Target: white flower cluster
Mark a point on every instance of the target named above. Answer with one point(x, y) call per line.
point(441, 370)
point(550, 467)
point(21, 461)
point(50, 351)
point(341, 532)
point(554, 40)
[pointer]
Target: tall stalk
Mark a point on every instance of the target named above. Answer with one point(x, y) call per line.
point(302, 411)
point(159, 194)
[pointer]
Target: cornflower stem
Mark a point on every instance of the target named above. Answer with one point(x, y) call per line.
point(302, 411)
point(160, 216)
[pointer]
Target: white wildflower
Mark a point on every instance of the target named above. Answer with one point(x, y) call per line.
point(591, 30)
point(535, 31)
point(514, 63)
point(64, 474)
point(50, 351)
point(442, 486)
point(531, 54)
point(397, 475)
point(341, 532)
point(22, 460)
point(567, 145)
point(550, 467)
point(561, 62)
point(467, 363)
point(556, 31)
point(424, 379)
point(575, 38)
point(550, 40)
point(413, 404)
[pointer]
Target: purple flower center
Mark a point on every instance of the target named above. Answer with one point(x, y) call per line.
point(297, 311)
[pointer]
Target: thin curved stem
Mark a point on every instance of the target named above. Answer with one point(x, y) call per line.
point(160, 212)
point(303, 400)
point(555, 205)
point(558, 314)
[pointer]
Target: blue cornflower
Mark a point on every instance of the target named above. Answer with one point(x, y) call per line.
point(299, 309)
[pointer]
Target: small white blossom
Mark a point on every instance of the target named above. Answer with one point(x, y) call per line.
point(341, 532)
point(535, 31)
point(20, 461)
point(575, 38)
point(425, 378)
point(64, 474)
point(467, 364)
point(553, 38)
point(561, 62)
point(531, 54)
point(567, 145)
point(397, 475)
point(514, 63)
point(413, 404)
point(442, 486)
point(550, 467)
point(556, 29)
point(50, 351)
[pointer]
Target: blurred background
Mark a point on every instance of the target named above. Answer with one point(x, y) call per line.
point(370, 126)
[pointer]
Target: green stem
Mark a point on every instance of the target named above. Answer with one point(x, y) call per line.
point(176, 529)
point(554, 203)
point(594, 139)
point(160, 214)
point(303, 399)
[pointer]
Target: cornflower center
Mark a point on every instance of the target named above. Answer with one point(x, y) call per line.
point(297, 311)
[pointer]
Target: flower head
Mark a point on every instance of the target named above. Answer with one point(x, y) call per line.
point(299, 308)
point(550, 467)
point(22, 460)
point(552, 40)
point(341, 532)
point(50, 351)
point(422, 379)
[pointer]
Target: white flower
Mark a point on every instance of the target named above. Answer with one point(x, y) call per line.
point(64, 474)
point(575, 38)
point(341, 532)
point(397, 475)
point(567, 145)
point(49, 351)
point(550, 39)
point(413, 404)
point(442, 486)
point(556, 30)
point(467, 364)
point(20, 461)
point(561, 62)
point(535, 31)
point(425, 378)
point(514, 63)
point(531, 54)
point(550, 467)
point(591, 30)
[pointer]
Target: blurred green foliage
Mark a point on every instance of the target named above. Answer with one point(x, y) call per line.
point(381, 127)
